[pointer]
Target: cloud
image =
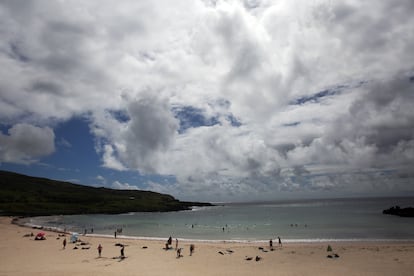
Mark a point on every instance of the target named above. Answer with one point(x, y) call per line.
point(65, 143)
point(235, 99)
point(25, 143)
point(101, 179)
point(123, 186)
point(142, 141)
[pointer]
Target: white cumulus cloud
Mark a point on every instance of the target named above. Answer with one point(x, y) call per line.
point(25, 143)
point(235, 99)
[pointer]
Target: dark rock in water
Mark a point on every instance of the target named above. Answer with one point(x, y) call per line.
point(398, 211)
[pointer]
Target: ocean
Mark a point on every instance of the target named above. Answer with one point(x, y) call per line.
point(294, 221)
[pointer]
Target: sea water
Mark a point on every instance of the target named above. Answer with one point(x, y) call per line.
point(293, 221)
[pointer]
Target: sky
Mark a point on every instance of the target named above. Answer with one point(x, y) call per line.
point(211, 100)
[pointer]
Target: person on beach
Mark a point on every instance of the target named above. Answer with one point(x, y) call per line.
point(115, 234)
point(64, 243)
point(271, 244)
point(99, 250)
point(191, 249)
point(169, 241)
point(176, 244)
point(179, 253)
point(280, 241)
point(122, 252)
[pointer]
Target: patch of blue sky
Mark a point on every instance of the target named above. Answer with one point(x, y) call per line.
point(329, 92)
point(233, 120)
point(74, 158)
point(4, 128)
point(75, 150)
point(120, 115)
point(315, 98)
point(191, 117)
point(336, 90)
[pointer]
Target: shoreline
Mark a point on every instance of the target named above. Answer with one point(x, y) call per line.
point(15, 220)
point(22, 255)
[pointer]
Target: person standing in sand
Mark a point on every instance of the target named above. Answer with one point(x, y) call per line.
point(122, 252)
point(176, 244)
point(64, 243)
point(169, 242)
point(280, 241)
point(99, 250)
point(271, 244)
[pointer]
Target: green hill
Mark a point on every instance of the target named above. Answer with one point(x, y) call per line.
point(22, 195)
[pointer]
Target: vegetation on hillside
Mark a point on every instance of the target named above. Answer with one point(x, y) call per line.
point(22, 195)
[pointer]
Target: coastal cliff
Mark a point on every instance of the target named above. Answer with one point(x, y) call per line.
point(22, 195)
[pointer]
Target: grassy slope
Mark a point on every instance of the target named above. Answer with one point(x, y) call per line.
point(31, 196)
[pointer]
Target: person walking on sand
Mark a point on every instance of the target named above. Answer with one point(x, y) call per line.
point(280, 241)
point(271, 244)
point(99, 250)
point(191, 249)
point(64, 243)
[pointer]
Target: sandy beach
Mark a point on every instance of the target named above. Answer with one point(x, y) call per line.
point(22, 255)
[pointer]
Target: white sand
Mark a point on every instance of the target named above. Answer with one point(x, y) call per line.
point(24, 256)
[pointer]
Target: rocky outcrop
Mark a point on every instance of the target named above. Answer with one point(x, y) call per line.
point(398, 211)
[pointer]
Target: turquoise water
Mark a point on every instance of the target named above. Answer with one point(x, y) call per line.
point(302, 220)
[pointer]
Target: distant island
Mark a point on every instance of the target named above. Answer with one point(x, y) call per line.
point(398, 211)
point(22, 195)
